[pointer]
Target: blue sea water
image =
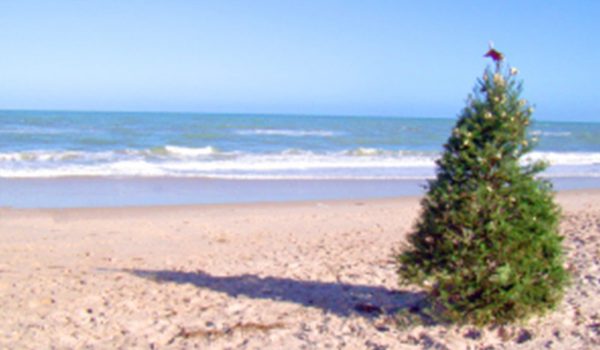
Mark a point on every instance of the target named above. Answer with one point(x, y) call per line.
point(57, 144)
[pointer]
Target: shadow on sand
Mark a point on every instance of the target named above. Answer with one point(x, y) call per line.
point(339, 298)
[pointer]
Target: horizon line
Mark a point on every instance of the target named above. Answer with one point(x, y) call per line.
point(290, 114)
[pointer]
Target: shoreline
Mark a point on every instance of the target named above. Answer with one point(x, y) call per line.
point(562, 195)
point(133, 192)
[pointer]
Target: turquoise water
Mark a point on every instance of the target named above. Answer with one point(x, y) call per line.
point(54, 144)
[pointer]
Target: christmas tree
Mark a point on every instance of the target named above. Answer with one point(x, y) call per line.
point(486, 245)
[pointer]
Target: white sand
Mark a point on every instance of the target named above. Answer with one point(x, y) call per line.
point(265, 276)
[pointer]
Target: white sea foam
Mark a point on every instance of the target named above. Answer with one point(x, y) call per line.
point(177, 161)
point(364, 151)
point(550, 133)
point(55, 156)
point(287, 132)
point(179, 151)
point(566, 158)
point(66, 156)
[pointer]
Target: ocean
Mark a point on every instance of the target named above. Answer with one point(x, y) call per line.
point(42, 146)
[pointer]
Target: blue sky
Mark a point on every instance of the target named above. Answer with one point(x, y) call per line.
point(402, 58)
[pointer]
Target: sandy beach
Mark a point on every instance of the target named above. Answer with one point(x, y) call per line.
point(306, 275)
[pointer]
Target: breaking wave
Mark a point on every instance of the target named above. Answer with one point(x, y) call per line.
point(211, 162)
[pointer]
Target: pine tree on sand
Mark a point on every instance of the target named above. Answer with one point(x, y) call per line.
point(486, 246)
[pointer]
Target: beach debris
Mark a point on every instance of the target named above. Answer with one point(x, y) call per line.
point(523, 336)
point(368, 308)
point(473, 333)
point(238, 327)
point(374, 346)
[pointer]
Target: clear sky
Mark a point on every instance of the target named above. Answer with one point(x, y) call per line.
point(402, 58)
